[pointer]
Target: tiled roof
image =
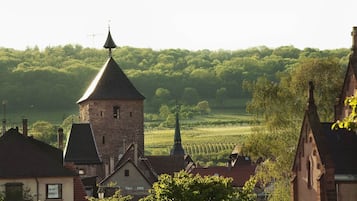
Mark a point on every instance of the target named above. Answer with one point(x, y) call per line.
point(342, 146)
point(167, 164)
point(111, 83)
point(240, 174)
point(26, 157)
point(81, 147)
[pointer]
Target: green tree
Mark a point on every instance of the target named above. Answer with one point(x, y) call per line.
point(203, 107)
point(44, 131)
point(190, 96)
point(187, 187)
point(350, 121)
point(278, 104)
point(116, 197)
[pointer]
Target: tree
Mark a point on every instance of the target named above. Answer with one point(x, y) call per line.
point(203, 107)
point(350, 121)
point(190, 96)
point(278, 104)
point(116, 197)
point(184, 186)
point(44, 131)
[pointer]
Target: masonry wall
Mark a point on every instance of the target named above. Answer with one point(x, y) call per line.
point(115, 125)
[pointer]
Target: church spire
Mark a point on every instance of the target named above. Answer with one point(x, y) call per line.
point(177, 148)
point(109, 43)
point(311, 101)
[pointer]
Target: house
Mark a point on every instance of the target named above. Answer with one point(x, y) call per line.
point(33, 170)
point(325, 165)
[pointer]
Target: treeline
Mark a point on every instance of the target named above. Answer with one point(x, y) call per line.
point(56, 77)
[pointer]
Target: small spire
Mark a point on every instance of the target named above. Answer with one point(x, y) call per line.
point(311, 100)
point(109, 43)
point(177, 148)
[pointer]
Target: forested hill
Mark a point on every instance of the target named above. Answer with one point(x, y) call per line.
point(56, 77)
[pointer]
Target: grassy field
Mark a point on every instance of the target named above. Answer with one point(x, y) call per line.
point(204, 136)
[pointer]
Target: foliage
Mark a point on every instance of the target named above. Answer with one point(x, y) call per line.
point(186, 187)
point(350, 121)
point(116, 197)
point(61, 74)
point(279, 104)
point(246, 193)
point(44, 131)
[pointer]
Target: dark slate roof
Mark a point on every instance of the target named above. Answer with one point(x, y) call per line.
point(342, 146)
point(111, 83)
point(81, 147)
point(177, 148)
point(25, 157)
point(240, 174)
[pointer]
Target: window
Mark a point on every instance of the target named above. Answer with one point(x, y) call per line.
point(131, 114)
point(309, 174)
point(116, 112)
point(13, 191)
point(126, 173)
point(81, 172)
point(103, 139)
point(54, 191)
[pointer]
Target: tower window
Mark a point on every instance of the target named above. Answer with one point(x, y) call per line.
point(116, 112)
point(103, 140)
point(131, 114)
point(126, 173)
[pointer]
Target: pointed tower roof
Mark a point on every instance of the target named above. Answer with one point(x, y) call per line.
point(109, 43)
point(177, 148)
point(81, 147)
point(111, 83)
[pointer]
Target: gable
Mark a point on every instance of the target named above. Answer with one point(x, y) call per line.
point(127, 176)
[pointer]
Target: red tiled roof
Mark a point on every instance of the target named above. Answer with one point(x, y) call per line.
point(240, 174)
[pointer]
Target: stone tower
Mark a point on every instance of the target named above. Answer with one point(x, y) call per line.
point(114, 109)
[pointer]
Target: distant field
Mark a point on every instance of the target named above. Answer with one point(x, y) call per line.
point(161, 141)
point(220, 131)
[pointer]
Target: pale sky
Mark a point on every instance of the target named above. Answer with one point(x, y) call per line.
point(185, 24)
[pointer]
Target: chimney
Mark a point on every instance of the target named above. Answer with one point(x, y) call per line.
point(60, 138)
point(136, 153)
point(354, 40)
point(24, 127)
point(3, 126)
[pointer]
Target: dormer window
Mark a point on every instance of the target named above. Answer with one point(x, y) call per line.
point(116, 112)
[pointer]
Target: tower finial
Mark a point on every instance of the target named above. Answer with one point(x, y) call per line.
point(311, 100)
point(109, 43)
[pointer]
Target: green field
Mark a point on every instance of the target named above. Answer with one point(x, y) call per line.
point(204, 137)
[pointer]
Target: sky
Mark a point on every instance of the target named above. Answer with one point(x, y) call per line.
point(184, 24)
